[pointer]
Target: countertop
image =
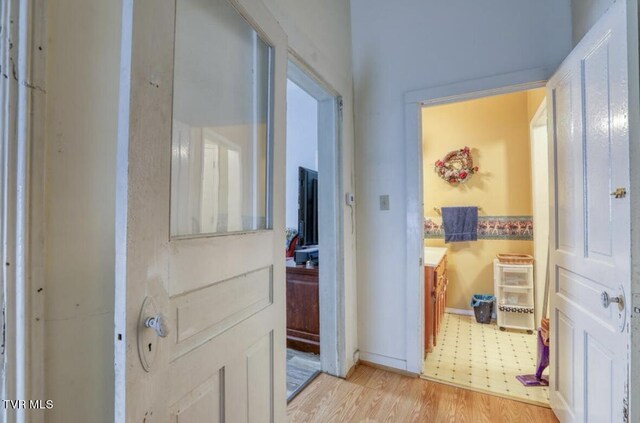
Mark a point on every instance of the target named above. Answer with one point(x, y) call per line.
point(433, 255)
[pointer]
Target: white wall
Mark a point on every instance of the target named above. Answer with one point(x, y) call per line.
point(410, 45)
point(584, 13)
point(83, 54)
point(302, 143)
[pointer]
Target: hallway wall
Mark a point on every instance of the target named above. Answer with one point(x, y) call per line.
point(83, 53)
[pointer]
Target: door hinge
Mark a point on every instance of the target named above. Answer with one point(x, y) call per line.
point(340, 104)
point(420, 261)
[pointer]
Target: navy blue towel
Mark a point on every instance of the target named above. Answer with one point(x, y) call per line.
point(460, 224)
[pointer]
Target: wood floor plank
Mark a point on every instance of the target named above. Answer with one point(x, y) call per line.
point(362, 374)
point(376, 395)
point(352, 403)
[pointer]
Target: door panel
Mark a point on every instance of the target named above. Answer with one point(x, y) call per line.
point(191, 267)
point(205, 313)
point(598, 152)
point(590, 234)
point(203, 400)
point(599, 381)
point(564, 352)
point(566, 171)
point(221, 295)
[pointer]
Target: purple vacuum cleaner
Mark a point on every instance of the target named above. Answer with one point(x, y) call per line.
point(543, 362)
point(543, 344)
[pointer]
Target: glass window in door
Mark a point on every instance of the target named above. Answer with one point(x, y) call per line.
point(221, 122)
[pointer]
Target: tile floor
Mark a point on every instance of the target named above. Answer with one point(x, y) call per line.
point(301, 367)
point(483, 358)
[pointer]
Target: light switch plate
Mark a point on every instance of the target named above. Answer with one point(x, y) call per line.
point(384, 202)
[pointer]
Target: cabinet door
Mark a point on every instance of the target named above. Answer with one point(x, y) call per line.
point(429, 324)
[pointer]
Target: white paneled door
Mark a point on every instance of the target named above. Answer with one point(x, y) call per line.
point(200, 314)
point(590, 226)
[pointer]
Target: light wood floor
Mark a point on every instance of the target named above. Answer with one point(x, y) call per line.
point(374, 395)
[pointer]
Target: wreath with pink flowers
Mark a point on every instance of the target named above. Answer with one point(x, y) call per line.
point(456, 167)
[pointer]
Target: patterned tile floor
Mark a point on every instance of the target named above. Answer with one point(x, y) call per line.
point(483, 358)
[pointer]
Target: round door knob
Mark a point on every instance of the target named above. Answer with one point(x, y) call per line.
point(159, 324)
point(607, 300)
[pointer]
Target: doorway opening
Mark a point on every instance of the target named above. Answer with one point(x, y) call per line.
point(314, 259)
point(485, 192)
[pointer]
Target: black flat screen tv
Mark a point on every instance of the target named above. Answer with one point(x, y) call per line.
point(307, 207)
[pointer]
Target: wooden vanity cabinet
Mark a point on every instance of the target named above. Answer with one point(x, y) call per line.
point(435, 289)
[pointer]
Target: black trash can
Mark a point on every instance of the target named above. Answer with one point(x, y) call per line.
point(482, 307)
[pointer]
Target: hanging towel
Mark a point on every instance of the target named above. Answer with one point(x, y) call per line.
point(460, 224)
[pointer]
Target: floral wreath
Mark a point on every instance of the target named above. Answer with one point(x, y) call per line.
point(456, 167)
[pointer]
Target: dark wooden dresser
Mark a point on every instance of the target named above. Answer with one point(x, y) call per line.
point(303, 309)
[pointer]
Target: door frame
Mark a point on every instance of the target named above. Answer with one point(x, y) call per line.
point(633, 55)
point(539, 119)
point(332, 296)
point(414, 101)
point(22, 118)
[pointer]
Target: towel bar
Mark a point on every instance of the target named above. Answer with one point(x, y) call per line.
point(437, 209)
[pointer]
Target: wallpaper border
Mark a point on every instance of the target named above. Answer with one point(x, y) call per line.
point(513, 228)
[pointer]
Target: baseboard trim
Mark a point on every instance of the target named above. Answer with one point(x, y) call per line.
point(389, 369)
point(460, 311)
point(383, 360)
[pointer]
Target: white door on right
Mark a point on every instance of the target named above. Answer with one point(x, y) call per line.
point(590, 226)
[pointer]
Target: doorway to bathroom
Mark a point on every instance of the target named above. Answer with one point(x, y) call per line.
point(313, 216)
point(486, 225)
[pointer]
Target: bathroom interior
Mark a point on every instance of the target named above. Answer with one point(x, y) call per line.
point(497, 148)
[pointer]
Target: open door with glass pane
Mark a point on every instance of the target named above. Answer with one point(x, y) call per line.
point(200, 213)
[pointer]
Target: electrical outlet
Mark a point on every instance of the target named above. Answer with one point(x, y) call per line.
point(384, 202)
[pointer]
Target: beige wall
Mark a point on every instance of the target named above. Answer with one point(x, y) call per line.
point(83, 53)
point(534, 100)
point(497, 131)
